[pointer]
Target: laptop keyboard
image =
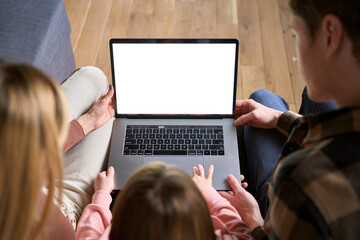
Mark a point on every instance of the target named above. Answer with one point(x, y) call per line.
point(174, 140)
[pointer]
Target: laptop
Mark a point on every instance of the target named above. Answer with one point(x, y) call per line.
point(174, 102)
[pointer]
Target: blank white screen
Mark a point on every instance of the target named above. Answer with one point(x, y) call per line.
point(174, 78)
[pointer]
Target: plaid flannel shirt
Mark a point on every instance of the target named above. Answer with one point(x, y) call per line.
point(315, 188)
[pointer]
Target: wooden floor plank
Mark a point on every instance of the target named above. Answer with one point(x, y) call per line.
point(77, 12)
point(182, 20)
point(92, 33)
point(139, 25)
point(225, 12)
point(250, 52)
point(275, 61)
point(116, 27)
point(204, 19)
point(253, 77)
point(162, 19)
point(285, 16)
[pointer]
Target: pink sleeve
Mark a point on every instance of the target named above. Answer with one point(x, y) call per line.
point(226, 220)
point(96, 217)
point(75, 135)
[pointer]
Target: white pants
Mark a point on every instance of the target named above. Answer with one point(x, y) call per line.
point(84, 161)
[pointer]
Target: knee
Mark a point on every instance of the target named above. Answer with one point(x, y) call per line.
point(260, 94)
point(96, 77)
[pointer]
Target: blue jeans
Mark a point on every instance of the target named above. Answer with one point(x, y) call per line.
point(263, 146)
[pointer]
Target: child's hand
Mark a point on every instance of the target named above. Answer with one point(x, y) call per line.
point(199, 177)
point(105, 180)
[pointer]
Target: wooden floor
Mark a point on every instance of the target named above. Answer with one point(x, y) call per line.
point(262, 27)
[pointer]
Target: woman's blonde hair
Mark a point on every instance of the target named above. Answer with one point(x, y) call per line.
point(161, 202)
point(33, 126)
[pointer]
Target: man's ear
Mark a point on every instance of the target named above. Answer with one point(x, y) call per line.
point(333, 30)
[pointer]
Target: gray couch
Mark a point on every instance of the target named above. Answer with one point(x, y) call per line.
point(37, 32)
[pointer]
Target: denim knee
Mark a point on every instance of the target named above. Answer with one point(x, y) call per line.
point(260, 94)
point(269, 99)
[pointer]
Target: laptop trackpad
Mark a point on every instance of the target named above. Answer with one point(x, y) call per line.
point(185, 163)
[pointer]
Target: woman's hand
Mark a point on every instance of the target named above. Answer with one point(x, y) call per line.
point(101, 112)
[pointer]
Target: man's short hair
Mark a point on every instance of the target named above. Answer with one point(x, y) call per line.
point(313, 12)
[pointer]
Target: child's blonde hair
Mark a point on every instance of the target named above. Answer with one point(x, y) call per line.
point(161, 202)
point(33, 127)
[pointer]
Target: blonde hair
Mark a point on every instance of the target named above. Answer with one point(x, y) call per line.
point(161, 202)
point(33, 126)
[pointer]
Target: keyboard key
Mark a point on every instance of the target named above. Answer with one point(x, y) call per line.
point(216, 147)
point(217, 141)
point(192, 152)
point(218, 131)
point(170, 152)
point(131, 146)
point(129, 136)
point(130, 141)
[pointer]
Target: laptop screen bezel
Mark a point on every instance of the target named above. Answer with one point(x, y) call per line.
point(181, 41)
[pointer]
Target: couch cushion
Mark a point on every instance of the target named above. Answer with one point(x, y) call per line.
point(37, 32)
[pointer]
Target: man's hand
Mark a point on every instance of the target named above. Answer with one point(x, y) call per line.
point(105, 180)
point(101, 112)
point(244, 203)
point(199, 178)
point(253, 114)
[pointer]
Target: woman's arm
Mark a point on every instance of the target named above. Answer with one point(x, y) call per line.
point(101, 112)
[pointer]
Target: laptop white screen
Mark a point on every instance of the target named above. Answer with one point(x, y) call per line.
point(174, 78)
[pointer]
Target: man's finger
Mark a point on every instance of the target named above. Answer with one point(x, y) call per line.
point(234, 183)
point(244, 119)
point(226, 195)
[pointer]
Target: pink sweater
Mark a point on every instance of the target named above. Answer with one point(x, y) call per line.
point(95, 220)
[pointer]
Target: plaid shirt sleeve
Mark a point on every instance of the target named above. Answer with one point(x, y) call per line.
point(293, 213)
point(287, 121)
